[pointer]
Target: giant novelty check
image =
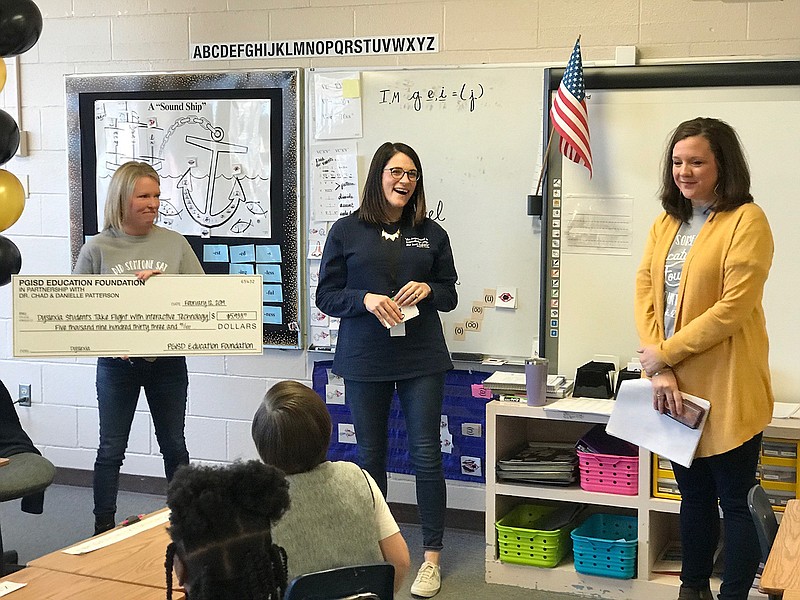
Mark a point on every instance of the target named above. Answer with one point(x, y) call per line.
point(119, 315)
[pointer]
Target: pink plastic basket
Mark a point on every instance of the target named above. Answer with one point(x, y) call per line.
point(609, 473)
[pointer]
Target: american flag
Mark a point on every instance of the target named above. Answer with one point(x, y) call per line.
point(568, 113)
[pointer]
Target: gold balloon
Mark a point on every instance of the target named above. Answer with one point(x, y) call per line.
point(2, 73)
point(12, 199)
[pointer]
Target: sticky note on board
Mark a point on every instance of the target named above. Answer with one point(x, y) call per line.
point(269, 272)
point(241, 269)
point(272, 315)
point(315, 250)
point(272, 293)
point(268, 253)
point(351, 88)
point(321, 337)
point(245, 253)
point(489, 296)
point(334, 394)
point(477, 311)
point(471, 465)
point(318, 318)
point(215, 253)
point(506, 297)
point(347, 433)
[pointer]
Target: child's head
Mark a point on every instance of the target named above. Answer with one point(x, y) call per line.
point(220, 527)
point(292, 428)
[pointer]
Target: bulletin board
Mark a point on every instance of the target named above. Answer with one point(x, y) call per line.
point(477, 131)
point(632, 112)
point(226, 148)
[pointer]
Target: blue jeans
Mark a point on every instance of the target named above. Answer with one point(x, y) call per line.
point(725, 478)
point(165, 382)
point(421, 401)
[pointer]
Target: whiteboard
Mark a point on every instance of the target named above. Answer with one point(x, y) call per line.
point(629, 131)
point(478, 134)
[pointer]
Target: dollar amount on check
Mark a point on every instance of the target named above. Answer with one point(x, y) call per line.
point(119, 315)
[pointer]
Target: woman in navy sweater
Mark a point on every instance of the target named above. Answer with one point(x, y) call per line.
point(379, 266)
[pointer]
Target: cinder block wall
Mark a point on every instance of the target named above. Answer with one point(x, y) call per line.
point(97, 36)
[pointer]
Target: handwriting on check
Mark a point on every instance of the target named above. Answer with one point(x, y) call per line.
point(124, 316)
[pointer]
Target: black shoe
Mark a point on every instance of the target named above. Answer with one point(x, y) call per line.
point(687, 593)
point(103, 523)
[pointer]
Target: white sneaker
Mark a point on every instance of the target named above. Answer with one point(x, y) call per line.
point(428, 581)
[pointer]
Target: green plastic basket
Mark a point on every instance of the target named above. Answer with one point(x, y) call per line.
point(518, 543)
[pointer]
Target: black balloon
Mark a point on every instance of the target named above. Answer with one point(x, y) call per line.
point(20, 26)
point(9, 137)
point(10, 260)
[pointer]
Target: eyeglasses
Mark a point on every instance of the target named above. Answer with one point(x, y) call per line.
point(397, 173)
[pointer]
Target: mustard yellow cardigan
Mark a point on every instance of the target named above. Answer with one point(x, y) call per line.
point(719, 350)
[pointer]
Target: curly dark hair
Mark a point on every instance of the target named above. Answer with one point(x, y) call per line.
point(220, 527)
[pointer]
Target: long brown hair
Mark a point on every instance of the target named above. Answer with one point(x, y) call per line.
point(373, 201)
point(733, 174)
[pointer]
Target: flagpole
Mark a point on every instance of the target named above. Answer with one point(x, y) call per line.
point(544, 165)
point(535, 201)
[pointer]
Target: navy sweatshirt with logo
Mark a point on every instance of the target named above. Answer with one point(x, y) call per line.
point(357, 260)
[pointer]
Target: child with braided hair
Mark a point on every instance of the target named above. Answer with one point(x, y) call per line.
point(221, 533)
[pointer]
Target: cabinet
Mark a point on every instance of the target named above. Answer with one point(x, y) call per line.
point(510, 425)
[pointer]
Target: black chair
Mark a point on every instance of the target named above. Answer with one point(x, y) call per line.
point(363, 582)
point(765, 521)
point(25, 477)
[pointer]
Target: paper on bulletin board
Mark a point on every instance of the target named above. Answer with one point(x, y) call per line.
point(213, 157)
point(596, 224)
point(334, 181)
point(338, 106)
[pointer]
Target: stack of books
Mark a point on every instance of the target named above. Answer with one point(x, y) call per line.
point(559, 386)
point(549, 463)
point(511, 386)
point(503, 383)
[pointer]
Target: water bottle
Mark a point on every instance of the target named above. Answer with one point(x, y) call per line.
point(536, 380)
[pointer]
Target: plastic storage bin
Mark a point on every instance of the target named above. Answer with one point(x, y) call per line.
point(609, 473)
point(778, 471)
point(518, 543)
point(606, 545)
point(663, 478)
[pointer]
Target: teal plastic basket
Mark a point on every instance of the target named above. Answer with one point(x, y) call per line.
point(605, 545)
point(519, 543)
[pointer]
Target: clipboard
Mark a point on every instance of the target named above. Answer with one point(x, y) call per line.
point(634, 419)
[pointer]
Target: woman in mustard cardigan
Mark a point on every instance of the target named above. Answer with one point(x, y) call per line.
point(702, 331)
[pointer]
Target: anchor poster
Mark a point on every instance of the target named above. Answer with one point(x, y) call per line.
point(212, 156)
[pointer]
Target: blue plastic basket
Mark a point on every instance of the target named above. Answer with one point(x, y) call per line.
point(606, 545)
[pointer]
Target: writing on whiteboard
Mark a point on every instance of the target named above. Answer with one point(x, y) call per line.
point(468, 94)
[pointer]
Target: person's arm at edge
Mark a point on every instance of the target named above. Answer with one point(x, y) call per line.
point(392, 544)
point(395, 552)
point(644, 306)
point(85, 263)
point(190, 264)
point(443, 278)
point(334, 298)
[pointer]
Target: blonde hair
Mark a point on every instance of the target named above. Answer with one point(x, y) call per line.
point(121, 189)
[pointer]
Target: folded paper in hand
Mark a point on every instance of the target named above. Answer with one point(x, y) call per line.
point(634, 419)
